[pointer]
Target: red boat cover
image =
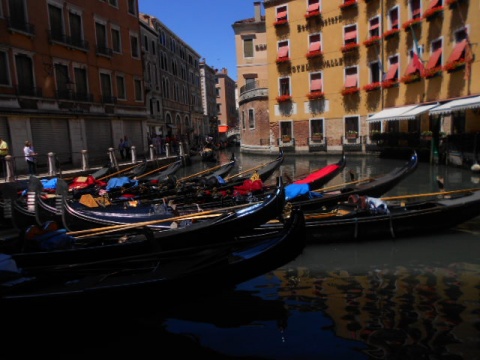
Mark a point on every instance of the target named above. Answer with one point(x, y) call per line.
point(327, 170)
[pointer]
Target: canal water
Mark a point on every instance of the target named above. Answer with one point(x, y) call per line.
point(400, 298)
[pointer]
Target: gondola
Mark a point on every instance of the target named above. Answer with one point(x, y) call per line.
point(375, 187)
point(167, 275)
point(361, 220)
point(244, 217)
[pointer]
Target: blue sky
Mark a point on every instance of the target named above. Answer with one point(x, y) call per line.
point(205, 25)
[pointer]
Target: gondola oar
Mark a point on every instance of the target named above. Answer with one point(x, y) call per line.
point(121, 171)
point(153, 171)
point(201, 172)
point(344, 184)
point(249, 170)
point(401, 197)
point(121, 227)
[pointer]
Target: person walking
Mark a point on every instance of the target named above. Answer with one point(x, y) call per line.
point(121, 149)
point(30, 158)
point(127, 146)
point(3, 152)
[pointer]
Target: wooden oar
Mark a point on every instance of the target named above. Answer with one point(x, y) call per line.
point(344, 184)
point(121, 171)
point(202, 172)
point(153, 222)
point(401, 197)
point(154, 170)
point(249, 170)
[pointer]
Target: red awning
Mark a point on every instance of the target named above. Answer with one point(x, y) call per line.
point(433, 61)
point(222, 128)
point(457, 51)
point(314, 46)
point(283, 52)
point(432, 4)
point(351, 81)
point(374, 26)
point(392, 71)
point(281, 15)
point(352, 34)
point(316, 85)
point(313, 7)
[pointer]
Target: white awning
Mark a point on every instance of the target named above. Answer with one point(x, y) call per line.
point(420, 109)
point(390, 114)
point(470, 103)
point(455, 105)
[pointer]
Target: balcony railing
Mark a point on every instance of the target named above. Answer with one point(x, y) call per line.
point(105, 51)
point(21, 26)
point(68, 40)
point(257, 84)
point(28, 91)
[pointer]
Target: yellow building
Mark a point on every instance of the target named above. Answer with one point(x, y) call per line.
point(340, 70)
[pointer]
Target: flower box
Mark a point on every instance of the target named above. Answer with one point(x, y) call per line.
point(391, 33)
point(280, 22)
point(412, 22)
point(350, 91)
point(430, 73)
point(283, 60)
point(373, 40)
point(351, 134)
point(453, 3)
point(314, 54)
point(389, 84)
point(315, 95)
point(348, 4)
point(313, 14)
point(433, 12)
point(349, 47)
point(410, 78)
point(317, 137)
point(454, 65)
point(286, 138)
point(284, 98)
point(372, 86)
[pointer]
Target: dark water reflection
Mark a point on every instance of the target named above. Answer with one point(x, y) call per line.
point(410, 298)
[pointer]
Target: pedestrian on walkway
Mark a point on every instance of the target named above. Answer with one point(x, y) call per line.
point(127, 146)
point(4, 150)
point(121, 149)
point(30, 157)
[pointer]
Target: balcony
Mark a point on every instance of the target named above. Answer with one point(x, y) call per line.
point(68, 41)
point(20, 26)
point(253, 90)
point(104, 51)
point(23, 90)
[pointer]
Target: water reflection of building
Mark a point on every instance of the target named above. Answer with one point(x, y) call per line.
point(411, 312)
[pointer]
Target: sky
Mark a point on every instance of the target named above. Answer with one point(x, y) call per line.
point(205, 25)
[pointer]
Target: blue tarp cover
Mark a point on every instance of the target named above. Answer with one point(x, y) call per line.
point(120, 181)
point(294, 190)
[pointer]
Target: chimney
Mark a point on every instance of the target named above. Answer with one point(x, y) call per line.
point(258, 15)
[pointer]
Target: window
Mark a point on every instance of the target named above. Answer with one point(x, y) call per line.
point(286, 131)
point(121, 87)
point(145, 42)
point(315, 43)
point(393, 18)
point(392, 73)
point(283, 51)
point(138, 89)
point(56, 23)
point(132, 7)
point(351, 125)
point(106, 86)
point(281, 14)
point(251, 119)
point(116, 40)
point(316, 83)
point(316, 127)
point(351, 77)
point(284, 86)
point(244, 124)
point(18, 17)
point(374, 27)
point(76, 29)
point(153, 48)
point(24, 67)
point(113, 3)
point(62, 79)
point(415, 65)
point(375, 72)
point(458, 52)
point(4, 69)
point(248, 48)
point(81, 87)
point(350, 34)
point(101, 38)
point(313, 7)
point(435, 60)
point(415, 9)
point(134, 46)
